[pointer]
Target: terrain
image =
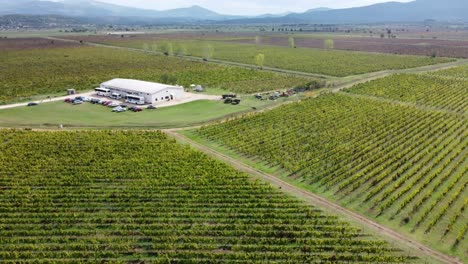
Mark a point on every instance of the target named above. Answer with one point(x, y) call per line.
point(394, 149)
point(321, 62)
point(141, 197)
point(37, 67)
point(363, 157)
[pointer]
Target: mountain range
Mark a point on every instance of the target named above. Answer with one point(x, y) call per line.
point(418, 10)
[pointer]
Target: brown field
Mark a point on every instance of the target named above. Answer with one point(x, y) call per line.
point(32, 43)
point(422, 47)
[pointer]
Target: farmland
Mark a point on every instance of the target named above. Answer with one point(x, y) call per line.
point(404, 166)
point(327, 62)
point(33, 71)
point(138, 196)
point(435, 91)
point(414, 46)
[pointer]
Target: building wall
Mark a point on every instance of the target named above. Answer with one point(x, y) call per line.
point(177, 93)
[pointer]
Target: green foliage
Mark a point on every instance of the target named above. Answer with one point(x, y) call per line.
point(259, 60)
point(120, 197)
point(329, 44)
point(292, 42)
point(396, 163)
point(328, 62)
point(434, 91)
point(31, 72)
point(208, 51)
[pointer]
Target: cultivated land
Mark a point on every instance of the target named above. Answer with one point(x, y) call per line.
point(326, 62)
point(394, 149)
point(125, 197)
point(419, 46)
point(402, 163)
point(438, 91)
point(32, 71)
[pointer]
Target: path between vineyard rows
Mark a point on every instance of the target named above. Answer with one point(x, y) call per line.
point(317, 200)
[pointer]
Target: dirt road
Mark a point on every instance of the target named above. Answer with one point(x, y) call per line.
point(319, 201)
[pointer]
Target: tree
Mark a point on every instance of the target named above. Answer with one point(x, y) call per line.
point(259, 59)
point(167, 48)
point(329, 44)
point(208, 51)
point(292, 42)
point(258, 40)
point(180, 49)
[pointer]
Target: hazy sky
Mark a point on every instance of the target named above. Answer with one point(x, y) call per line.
point(247, 7)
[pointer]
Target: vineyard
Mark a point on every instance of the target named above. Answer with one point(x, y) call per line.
point(328, 62)
point(457, 72)
point(45, 71)
point(134, 197)
point(435, 91)
point(400, 165)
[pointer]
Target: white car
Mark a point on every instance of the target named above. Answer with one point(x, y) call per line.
point(113, 105)
point(119, 109)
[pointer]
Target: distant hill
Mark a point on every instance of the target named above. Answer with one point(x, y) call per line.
point(91, 8)
point(416, 11)
point(419, 10)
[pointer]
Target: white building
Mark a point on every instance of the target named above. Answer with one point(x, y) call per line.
point(135, 91)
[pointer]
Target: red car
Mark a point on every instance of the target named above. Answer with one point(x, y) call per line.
point(107, 103)
point(67, 100)
point(137, 109)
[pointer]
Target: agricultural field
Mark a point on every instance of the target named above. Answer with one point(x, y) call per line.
point(326, 62)
point(403, 166)
point(457, 72)
point(32, 71)
point(434, 91)
point(127, 197)
point(421, 47)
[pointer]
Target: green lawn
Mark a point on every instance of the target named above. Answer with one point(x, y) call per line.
point(89, 115)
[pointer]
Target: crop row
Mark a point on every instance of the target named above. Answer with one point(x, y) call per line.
point(435, 90)
point(398, 163)
point(328, 62)
point(34, 72)
point(128, 196)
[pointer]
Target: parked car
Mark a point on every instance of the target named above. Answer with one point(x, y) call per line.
point(151, 107)
point(123, 105)
point(67, 100)
point(32, 104)
point(119, 109)
point(137, 109)
point(77, 102)
point(113, 105)
point(94, 101)
point(106, 103)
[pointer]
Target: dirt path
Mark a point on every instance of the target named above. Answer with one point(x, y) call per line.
point(319, 201)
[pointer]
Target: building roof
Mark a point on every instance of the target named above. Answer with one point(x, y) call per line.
point(138, 86)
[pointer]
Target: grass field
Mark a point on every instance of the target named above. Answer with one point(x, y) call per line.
point(88, 115)
point(328, 62)
point(32, 71)
point(402, 166)
point(126, 197)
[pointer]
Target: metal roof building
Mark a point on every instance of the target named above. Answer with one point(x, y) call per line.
point(150, 92)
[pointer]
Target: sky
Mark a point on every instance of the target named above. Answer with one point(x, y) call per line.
point(247, 7)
